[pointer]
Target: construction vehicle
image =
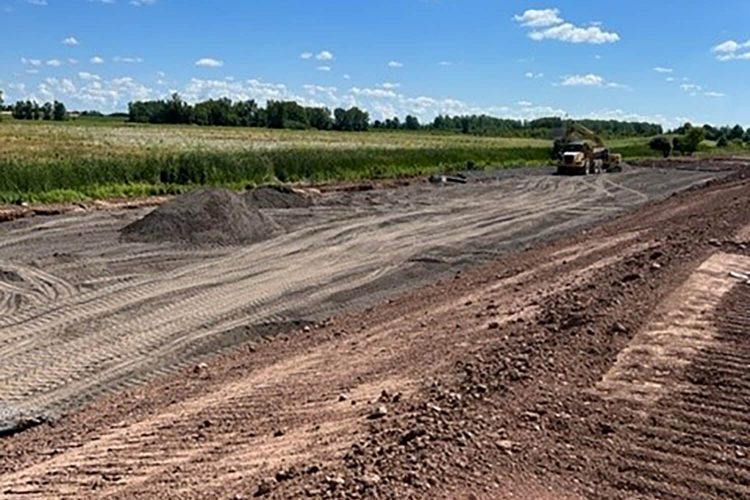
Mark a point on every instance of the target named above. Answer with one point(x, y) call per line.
point(581, 151)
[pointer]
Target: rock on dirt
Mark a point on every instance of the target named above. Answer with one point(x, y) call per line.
point(207, 216)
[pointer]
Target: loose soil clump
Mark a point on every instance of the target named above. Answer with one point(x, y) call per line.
point(204, 217)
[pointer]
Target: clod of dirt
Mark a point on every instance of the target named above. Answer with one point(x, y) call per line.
point(207, 216)
point(278, 197)
point(379, 412)
point(10, 276)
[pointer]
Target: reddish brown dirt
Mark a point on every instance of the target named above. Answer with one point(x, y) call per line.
point(510, 381)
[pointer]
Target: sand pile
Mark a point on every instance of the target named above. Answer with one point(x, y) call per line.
point(207, 216)
point(278, 197)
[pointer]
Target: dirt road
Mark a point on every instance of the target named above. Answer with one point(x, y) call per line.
point(528, 376)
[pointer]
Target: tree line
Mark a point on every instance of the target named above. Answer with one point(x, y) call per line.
point(687, 138)
point(228, 113)
point(32, 110)
point(292, 115)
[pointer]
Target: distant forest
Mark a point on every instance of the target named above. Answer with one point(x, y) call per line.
point(292, 115)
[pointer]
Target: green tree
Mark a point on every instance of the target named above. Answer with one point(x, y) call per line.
point(722, 142)
point(691, 140)
point(320, 118)
point(59, 113)
point(736, 133)
point(47, 111)
point(411, 123)
point(661, 144)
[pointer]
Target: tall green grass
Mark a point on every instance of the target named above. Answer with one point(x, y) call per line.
point(85, 177)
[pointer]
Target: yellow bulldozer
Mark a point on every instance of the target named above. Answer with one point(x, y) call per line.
point(580, 151)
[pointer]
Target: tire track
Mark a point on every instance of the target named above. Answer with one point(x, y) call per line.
point(689, 375)
point(72, 345)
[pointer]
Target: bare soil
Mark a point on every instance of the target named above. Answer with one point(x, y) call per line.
point(500, 342)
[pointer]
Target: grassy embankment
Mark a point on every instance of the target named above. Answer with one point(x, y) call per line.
point(91, 159)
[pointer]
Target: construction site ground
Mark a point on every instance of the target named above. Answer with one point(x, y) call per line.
point(523, 335)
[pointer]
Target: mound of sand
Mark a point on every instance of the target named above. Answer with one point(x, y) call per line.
point(278, 197)
point(207, 216)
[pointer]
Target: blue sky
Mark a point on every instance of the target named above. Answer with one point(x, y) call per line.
point(641, 59)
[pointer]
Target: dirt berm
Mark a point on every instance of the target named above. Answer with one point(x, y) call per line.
point(278, 197)
point(208, 216)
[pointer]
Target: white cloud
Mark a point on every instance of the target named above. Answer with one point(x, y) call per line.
point(390, 85)
point(547, 24)
point(714, 94)
point(55, 63)
point(539, 18)
point(96, 60)
point(323, 68)
point(141, 3)
point(71, 41)
point(525, 104)
point(669, 79)
point(127, 60)
point(395, 64)
point(732, 50)
point(660, 69)
point(381, 93)
point(347, 77)
point(324, 56)
point(306, 55)
point(31, 62)
point(573, 34)
point(445, 63)
point(83, 75)
point(40, 3)
point(690, 87)
point(208, 62)
point(589, 80)
point(530, 74)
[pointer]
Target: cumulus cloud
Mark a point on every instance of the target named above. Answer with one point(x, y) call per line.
point(55, 63)
point(306, 55)
point(71, 41)
point(323, 68)
point(712, 93)
point(395, 64)
point(590, 80)
point(732, 50)
point(541, 18)
point(208, 62)
point(532, 75)
point(96, 60)
point(660, 69)
point(324, 56)
point(547, 24)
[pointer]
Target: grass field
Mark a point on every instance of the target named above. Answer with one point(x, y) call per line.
point(90, 159)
